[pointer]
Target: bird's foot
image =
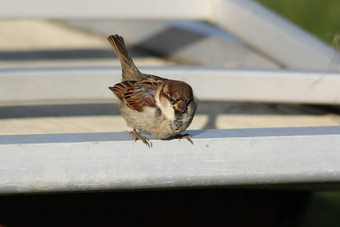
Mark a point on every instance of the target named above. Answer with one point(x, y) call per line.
point(185, 136)
point(136, 136)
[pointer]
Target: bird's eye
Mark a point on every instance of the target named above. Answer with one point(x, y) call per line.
point(171, 99)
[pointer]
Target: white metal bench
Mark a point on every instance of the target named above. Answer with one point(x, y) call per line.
point(68, 162)
point(308, 157)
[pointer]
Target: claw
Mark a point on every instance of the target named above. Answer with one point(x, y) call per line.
point(136, 136)
point(185, 136)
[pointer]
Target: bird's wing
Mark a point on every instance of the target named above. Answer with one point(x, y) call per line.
point(137, 94)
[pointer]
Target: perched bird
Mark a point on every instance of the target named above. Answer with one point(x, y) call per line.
point(152, 104)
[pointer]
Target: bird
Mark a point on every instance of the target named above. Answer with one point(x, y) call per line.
point(158, 106)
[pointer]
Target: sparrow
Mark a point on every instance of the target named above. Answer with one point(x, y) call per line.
point(152, 104)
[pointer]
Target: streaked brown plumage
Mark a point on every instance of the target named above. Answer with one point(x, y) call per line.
point(152, 104)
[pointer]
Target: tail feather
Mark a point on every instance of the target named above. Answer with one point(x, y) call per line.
point(129, 69)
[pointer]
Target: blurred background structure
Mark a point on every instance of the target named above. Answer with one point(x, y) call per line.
point(259, 69)
point(258, 44)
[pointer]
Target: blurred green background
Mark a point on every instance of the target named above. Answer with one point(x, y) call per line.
point(323, 210)
point(319, 17)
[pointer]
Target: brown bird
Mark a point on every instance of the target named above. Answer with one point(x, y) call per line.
point(152, 104)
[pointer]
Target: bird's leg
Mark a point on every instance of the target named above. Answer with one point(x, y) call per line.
point(136, 136)
point(185, 136)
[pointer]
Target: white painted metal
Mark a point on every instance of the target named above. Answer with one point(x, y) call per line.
point(111, 161)
point(115, 9)
point(260, 28)
point(209, 83)
point(273, 35)
point(188, 42)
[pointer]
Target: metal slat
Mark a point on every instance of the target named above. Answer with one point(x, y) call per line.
point(112, 161)
point(209, 83)
point(114, 9)
point(260, 28)
point(274, 36)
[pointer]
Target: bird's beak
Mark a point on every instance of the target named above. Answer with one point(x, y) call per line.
point(180, 106)
point(111, 88)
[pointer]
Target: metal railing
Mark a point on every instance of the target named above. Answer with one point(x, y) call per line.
point(106, 161)
point(307, 157)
